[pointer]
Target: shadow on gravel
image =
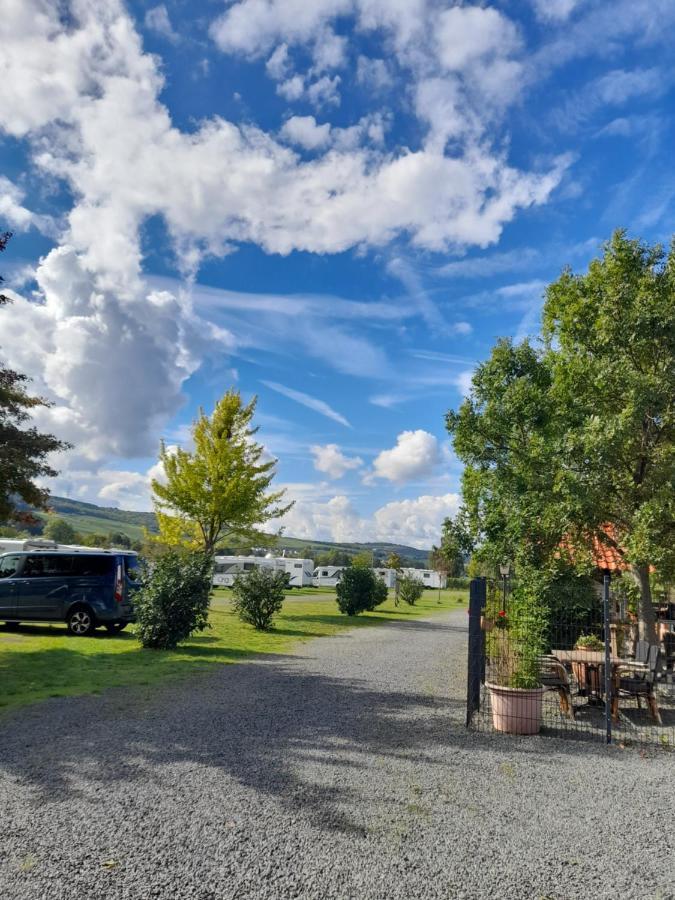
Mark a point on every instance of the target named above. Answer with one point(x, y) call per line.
point(280, 730)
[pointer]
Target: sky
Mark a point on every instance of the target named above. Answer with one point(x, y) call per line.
point(336, 206)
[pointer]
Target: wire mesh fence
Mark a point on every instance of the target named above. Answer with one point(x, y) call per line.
point(589, 678)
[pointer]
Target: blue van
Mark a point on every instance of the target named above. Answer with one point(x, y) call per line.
point(84, 588)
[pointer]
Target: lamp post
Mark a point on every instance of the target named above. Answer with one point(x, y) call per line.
point(504, 570)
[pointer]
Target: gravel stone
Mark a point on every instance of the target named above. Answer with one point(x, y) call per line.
point(342, 772)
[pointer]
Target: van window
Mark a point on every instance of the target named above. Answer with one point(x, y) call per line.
point(92, 565)
point(9, 565)
point(297, 565)
point(44, 566)
point(324, 574)
point(132, 567)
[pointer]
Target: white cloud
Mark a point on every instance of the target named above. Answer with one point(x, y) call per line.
point(415, 522)
point(157, 20)
point(414, 456)
point(463, 382)
point(306, 132)
point(112, 364)
point(555, 10)
point(17, 216)
point(467, 34)
point(307, 400)
point(330, 459)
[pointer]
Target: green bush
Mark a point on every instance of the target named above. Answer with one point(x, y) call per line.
point(258, 595)
point(410, 589)
point(458, 584)
point(359, 590)
point(173, 601)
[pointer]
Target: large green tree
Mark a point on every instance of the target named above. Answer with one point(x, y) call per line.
point(24, 451)
point(455, 545)
point(221, 488)
point(575, 440)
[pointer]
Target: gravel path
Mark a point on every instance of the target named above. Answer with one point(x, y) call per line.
point(344, 772)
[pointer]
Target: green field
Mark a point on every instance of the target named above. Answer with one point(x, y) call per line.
point(40, 661)
point(100, 525)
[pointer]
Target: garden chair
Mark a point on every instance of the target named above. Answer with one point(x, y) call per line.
point(638, 683)
point(641, 651)
point(553, 676)
point(669, 647)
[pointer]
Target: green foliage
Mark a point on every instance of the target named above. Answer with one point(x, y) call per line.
point(589, 642)
point(410, 589)
point(332, 558)
point(359, 590)
point(173, 601)
point(258, 596)
point(219, 489)
point(362, 560)
point(577, 439)
point(456, 545)
point(394, 561)
point(23, 451)
point(61, 531)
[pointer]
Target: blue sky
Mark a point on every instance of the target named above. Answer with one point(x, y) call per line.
point(337, 206)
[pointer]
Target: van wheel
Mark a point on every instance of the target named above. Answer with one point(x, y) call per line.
point(114, 627)
point(81, 622)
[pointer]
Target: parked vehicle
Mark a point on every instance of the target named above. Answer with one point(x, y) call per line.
point(299, 571)
point(428, 577)
point(387, 575)
point(83, 588)
point(327, 576)
point(226, 568)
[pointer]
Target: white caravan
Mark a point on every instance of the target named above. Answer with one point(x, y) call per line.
point(387, 575)
point(428, 577)
point(299, 571)
point(226, 568)
point(14, 545)
point(327, 576)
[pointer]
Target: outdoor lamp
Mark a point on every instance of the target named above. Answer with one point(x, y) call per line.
point(504, 569)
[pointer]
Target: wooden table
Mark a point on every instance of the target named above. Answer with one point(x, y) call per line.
point(596, 658)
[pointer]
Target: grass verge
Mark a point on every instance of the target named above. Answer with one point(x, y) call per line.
point(40, 661)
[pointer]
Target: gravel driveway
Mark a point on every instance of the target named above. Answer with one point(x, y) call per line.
point(344, 772)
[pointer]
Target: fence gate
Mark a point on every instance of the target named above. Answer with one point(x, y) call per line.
point(598, 683)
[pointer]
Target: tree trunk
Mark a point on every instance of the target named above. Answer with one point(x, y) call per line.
point(646, 617)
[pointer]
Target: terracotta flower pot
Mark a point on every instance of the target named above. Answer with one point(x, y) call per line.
point(486, 623)
point(516, 710)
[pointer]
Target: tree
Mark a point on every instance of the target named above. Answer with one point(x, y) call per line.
point(575, 441)
point(173, 600)
point(450, 556)
point(258, 595)
point(219, 490)
point(23, 451)
point(119, 539)
point(359, 590)
point(411, 589)
point(394, 561)
point(61, 531)
point(362, 560)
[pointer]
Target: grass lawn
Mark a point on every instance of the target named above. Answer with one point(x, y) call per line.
point(39, 661)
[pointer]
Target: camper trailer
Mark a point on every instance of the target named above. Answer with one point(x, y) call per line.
point(428, 577)
point(226, 568)
point(300, 571)
point(327, 576)
point(14, 545)
point(387, 575)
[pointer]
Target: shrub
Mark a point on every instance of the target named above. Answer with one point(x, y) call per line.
point(359, 590)
point(173, 601)
point(410, 589)
point(258, 595)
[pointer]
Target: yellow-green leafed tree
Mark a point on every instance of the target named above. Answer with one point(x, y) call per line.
point(221, 488)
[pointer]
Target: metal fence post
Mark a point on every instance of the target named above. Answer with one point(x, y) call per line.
point(477, 596)
point(608, 653)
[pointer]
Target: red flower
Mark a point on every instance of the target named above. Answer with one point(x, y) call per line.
point(502, 613)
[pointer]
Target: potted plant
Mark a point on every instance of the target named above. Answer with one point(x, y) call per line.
point(515, 682)
point(586, 674)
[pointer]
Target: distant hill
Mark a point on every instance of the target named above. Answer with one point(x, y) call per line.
point(88, 518)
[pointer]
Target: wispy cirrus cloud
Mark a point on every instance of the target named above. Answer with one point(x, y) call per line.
point(319, 406)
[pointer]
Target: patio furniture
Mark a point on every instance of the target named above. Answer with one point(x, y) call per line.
point(553, 676)
point(632, 681)
point(669, 648)
point(641, 651)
